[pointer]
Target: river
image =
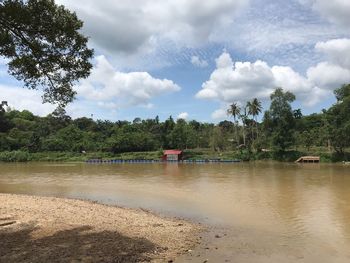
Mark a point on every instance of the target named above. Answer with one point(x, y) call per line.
point(259, 212)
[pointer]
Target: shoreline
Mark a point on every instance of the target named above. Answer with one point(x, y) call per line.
point(50, 229)
point(189, 156)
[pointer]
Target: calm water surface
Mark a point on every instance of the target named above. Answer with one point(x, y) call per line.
point(273, 212)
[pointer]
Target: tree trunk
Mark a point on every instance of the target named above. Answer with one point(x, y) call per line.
point(236, 130)
point(243, 134)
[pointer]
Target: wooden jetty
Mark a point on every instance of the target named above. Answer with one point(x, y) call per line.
point(308, 159)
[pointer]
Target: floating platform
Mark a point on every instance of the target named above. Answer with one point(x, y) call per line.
point(99, 161)
point(308, 159)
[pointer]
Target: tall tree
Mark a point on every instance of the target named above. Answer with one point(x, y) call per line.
point(279, 120)
point(254, 109)
point(2, 104)
point(243, 115)
point(338, 117)
point(234, 111)
point(44, 47)
point(4, 123)
point(248, 107)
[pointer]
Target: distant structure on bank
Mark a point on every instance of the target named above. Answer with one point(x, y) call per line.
point(308, 159)
point(172, 155)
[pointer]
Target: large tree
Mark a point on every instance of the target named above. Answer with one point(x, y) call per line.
point(44, 47)
point(254, 109)
point(279, 120)
point(234, 111)
point(338, 117)
point(4, 123)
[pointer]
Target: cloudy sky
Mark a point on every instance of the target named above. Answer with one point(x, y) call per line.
point(192, 58)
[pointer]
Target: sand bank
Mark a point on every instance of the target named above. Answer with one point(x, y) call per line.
point(45, 229)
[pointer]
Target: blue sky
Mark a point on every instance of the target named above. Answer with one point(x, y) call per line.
point(194, 58)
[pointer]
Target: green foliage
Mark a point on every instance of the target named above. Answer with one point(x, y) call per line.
point(264, 156)
point(217, 141)
point(234, 110)
point(279, 121)
point(130, 141)
point(4, 122)
point(245, 155)
point(284, 135)
point(338, 118)
point(342, 93)
point(44, 46)
point(14, 156)
point(326, 157)
point(182, 136)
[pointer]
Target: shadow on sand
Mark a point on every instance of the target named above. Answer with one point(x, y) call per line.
point(74, 245)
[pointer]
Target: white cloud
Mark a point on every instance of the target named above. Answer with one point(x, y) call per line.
point(336, 11)
point(280, 32)
point(198, 62)
point(140, 24)
point(183, 115)
point(24, 99)
point(237, 81)
point(242, 81)
point(207, 93)
point(224, 61)
point(106, 90)
point(290, 80)
point(153, 34)
point(328, 75)
point(336, 50)
point(148, 106)
point(115, 89)
point(108, 105)
point(219, 114)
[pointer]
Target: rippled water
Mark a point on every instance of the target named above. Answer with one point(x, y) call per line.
point(300, 212)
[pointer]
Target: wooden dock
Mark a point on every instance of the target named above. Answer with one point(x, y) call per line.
point(308, 159)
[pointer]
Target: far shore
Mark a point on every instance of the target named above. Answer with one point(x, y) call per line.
point(189, 155)
point(48, 229)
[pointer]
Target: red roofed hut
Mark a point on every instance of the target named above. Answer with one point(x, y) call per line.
point(172, 155)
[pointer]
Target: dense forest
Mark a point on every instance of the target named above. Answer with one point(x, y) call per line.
point(281, 132)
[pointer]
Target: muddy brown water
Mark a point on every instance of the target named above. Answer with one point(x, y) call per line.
point(258, 212)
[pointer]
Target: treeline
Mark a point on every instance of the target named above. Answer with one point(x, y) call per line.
point(281, 130)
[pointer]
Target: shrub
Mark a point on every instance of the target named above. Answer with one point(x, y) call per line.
point(14, 156)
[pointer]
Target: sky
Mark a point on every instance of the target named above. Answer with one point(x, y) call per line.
point(192, 58)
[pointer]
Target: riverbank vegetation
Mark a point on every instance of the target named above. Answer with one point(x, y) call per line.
point(282, 134)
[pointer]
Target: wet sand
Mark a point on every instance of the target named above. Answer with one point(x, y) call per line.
point(46, 229)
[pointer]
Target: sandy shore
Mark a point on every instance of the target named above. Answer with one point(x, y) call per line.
point(44, 229)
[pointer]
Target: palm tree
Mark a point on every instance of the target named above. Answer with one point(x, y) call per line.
point(249, 107)
point(254, 108)
point(234, 111)
point(244, 117)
